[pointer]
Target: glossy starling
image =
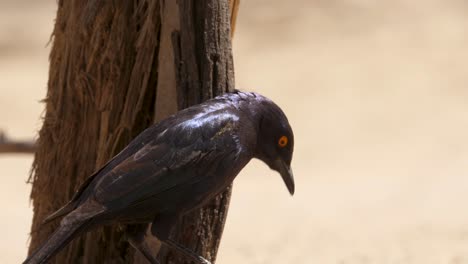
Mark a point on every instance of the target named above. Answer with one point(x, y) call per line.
point(174, 167)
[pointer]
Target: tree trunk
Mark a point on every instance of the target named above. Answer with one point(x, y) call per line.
point(116, 67)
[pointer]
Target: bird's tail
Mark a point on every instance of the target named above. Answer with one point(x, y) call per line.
point(58, 240)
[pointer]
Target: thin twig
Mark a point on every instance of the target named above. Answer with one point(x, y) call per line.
point(10, 146)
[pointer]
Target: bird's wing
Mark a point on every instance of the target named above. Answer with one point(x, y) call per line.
point(80, 194)
point(175, 157)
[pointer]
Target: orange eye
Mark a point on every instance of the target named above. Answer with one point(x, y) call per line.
point(283, 141)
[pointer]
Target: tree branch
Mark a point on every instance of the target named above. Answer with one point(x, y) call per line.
point(10, 146)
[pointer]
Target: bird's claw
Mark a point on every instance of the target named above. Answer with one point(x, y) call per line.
point(203, 260)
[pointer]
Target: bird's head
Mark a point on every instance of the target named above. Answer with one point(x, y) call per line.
point(275, 143)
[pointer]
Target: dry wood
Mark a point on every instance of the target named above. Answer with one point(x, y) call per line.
point(234, 7)
point(115, 67)
point(10, 146)
point(201, 40)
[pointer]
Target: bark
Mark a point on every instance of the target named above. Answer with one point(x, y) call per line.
point(116, 67)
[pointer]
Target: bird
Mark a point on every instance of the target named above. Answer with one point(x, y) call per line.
point(174, 167)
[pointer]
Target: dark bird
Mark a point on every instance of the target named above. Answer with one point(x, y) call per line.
point(174, 167)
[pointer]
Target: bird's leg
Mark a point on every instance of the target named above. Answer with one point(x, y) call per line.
point(187, 252)
point(136, 235)
point(161, 228)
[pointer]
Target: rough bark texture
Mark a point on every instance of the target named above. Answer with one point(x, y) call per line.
point(115, 67)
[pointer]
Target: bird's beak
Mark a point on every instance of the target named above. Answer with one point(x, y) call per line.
point(287, 175)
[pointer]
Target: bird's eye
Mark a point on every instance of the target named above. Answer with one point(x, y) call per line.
point(283, 141)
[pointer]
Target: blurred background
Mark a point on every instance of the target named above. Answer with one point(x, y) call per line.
point(376, 92)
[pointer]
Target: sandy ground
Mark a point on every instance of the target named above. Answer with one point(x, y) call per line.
point(376, 92)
